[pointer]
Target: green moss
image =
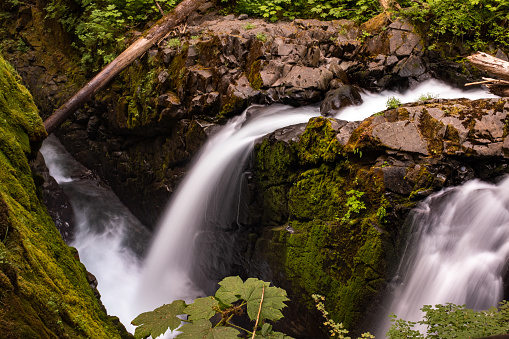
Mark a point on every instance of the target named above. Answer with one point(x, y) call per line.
point(231, 105)
point(344, 260)
point(432, 130)
point(274, 162)
point(318, 194)
point(44, 292)
point(451, 140)
point(318, 143)
point(254, 77)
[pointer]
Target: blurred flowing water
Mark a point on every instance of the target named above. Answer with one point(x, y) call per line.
point(111, 242)
point(457, 251)
point(186, 255)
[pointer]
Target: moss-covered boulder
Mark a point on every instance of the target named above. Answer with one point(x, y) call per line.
point(44, 291)
point(333, 200)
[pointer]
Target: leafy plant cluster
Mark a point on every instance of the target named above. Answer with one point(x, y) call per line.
point(234, 298)
point(358, 10)
point(453, 321)
point(336, 330)
point(353, 203)
point(100, 25)
point(474, 23)
point(264, 303)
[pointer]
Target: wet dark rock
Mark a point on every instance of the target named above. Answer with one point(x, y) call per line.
point(394, 180)
point(56, 201)
point(412, 66)
point(341, 97)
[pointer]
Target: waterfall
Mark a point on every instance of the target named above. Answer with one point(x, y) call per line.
point(456, 252)
point(208, 201)
point(109, 239)
point(194, 234)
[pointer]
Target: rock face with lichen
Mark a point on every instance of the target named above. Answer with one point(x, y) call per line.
point(332, 197)
point(44, 287)
point(141, 133)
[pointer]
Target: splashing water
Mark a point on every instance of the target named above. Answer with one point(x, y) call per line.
point(457, 251)
point(109, 239)
point(207, 203)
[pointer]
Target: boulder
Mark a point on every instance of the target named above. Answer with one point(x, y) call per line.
point(338, 98)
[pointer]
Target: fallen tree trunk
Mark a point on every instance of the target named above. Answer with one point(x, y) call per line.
point(495, 66)
point(140, 46)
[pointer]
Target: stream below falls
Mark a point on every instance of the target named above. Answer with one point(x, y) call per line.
point(138, 271)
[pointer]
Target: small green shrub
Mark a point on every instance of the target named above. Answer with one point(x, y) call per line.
point(174, 42)
point(353, 204)
point(393, 102)
point(427, 96)
point(261, 36)
point(249, 26)
point(453, 321)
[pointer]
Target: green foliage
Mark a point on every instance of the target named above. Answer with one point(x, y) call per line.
point(358, 10)
point(453, 321)
point(100, 26)
point(174, 42)
point(158, 321)
point(261, 301)
point(393, 102)
point(336, 330)
point(427, 96)
point(261, 36)
point(353, 204)
point(472, 22)
point(249, 26)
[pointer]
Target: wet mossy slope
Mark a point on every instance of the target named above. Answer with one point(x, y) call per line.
point(332, 208)
point(44, 292)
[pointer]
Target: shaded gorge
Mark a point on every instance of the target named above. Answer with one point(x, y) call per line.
point(197, 242)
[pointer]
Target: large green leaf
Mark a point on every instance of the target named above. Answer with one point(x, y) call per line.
point(201, 308)
point(202, 329)
point(273, 299)
point(158, 321)
point(233, 289)
point(230, 290)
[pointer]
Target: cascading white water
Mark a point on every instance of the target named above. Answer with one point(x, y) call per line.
point(109, 239)
point(456, 252)
point(207, 196)
point(207, 199)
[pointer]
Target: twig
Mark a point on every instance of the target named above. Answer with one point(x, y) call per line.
point(489, 81)
point(159, 7)
point(259, 311)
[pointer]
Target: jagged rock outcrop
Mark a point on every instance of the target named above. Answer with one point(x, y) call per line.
point(44, 288)
point(332, 198)
point(141, 134)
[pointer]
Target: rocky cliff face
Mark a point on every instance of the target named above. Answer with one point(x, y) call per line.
point(141, 134)
point(332, 196)
point(44, 287)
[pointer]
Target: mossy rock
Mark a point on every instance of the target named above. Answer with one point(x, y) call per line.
point(44, 291)
point(308, 237)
